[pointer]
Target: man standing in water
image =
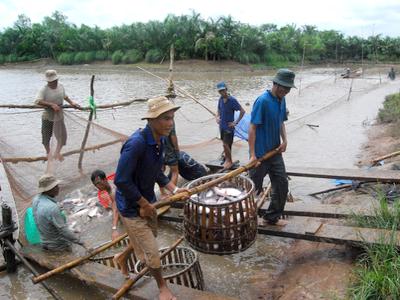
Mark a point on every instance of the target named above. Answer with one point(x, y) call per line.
point(267, 128)
point(139, 168)
point(51, 96)
point(227, 105)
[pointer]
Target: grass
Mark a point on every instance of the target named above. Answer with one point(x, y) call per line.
point(377, 273)
point(391, 109)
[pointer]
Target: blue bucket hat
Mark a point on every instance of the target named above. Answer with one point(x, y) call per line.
point(221, 86)
point(284, 77)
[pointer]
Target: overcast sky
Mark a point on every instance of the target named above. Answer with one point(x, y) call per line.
point(351, 17)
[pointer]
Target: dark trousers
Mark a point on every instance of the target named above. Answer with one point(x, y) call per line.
point(275, 168)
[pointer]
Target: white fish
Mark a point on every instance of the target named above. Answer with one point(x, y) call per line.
point(93, 212)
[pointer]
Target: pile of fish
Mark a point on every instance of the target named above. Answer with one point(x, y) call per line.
point(80, 210)
point(219, 195)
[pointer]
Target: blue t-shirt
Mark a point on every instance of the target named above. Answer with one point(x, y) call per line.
point(139, 168)
point(226, 112)
point(268, 114)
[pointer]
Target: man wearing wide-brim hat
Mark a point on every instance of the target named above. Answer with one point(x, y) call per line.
point(267, 132)
point(52, 97)
point(52, 225)
point(139, 168)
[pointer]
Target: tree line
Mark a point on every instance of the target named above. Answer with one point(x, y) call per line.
point(193, 37)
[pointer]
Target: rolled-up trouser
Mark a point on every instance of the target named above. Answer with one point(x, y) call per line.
point(142, 234)
point(275, 167)
point(54, 127)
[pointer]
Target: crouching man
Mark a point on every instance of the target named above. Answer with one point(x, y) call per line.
point(51, 224)
point(139, 168)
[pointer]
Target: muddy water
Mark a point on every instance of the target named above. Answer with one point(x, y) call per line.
point(321, 101)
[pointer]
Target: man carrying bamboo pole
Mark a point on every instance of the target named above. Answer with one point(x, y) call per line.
point(51, 96)
point(51, 224)
point(267, 127)
point(139, 168)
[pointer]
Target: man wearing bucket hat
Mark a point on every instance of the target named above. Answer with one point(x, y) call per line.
point(139, 168)
point(227, 105)
point(267, 132)
point(51, 96)
point(50, 222)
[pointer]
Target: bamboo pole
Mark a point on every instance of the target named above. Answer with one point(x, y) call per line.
point(81, 260)
point(85, 137)
point(77, 261)
point(350, 90)
point(44, 158)
point(86, 108)
point(130, 282)
point(180, 90)
point(376, 160)
point(207, 185)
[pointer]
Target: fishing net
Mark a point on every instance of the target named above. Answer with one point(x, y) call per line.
point(24, 154)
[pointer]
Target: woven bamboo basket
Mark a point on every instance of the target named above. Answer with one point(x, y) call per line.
point(181, 267)
point(222, 228)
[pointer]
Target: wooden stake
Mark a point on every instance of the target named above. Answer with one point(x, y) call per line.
point(378, 159)
point(85, 137)
point(130, 282)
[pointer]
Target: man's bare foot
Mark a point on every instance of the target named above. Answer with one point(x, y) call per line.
point(228, 165)
point(279, 223)
point(59, 156)
point(120, 261)
point(166, 294)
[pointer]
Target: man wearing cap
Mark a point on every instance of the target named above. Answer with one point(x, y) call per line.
point(51, 96)
point(227, 105)
point(139, 168)
point(267, 132)
point(51, 224)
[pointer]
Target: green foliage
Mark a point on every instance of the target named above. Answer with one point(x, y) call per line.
point(391, 109)
point(377, 275)
point(79, 58)
point(132, 56)
point(90, 56)
point(101, 55)
point(12, 58)
point(2, 59)
point(153, 56)
point(66, 58)
point(192, 37)
point(116, 57)
point(385, 216)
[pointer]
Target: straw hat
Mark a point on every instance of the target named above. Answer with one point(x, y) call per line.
point(51, 75)
point(47, 182)
point(285, 78)
point(158, 106)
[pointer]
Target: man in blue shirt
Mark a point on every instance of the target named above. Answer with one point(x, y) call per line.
point(266, 129)
point(139, 168)
point(227, 105)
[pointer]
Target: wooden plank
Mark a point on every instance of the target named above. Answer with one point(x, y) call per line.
point(322, 210)
point(336, 234)
point(111, 279)
point(351, 174)
point(303, 228)
point(7, 196)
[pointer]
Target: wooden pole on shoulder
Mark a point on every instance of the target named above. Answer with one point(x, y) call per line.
point(214, 182)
